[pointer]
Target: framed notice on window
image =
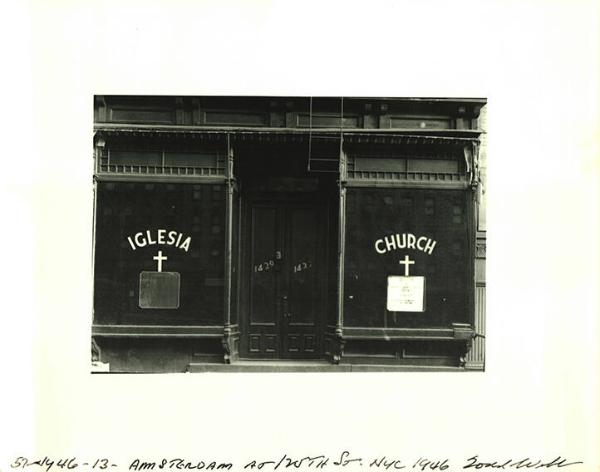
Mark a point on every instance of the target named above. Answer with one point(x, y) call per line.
point(406, 293)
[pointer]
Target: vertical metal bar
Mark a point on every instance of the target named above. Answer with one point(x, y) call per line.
point(474, 204)
point(238, 249)
point(341, 243)
point(96, 166)
point(472, 234)
point(341, 254)
point(227, 340)
point(476, 356)
point(471, 215)
point(94, 219)
point(228, 235)
point(309, 131)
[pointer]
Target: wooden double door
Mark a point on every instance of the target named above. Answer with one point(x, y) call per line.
point(285, 275)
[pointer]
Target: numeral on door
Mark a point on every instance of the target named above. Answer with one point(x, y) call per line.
point(302, 266)
point(265, 266)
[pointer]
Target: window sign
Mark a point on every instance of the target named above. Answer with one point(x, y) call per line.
point(162, 236)
point(404, 241)
point(159, 290)
point(406, 293)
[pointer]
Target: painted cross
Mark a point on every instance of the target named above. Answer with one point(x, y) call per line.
point(160, 258)
point(407, 263)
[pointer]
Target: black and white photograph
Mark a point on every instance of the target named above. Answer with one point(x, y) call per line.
point(318, 236)
point(240, 233)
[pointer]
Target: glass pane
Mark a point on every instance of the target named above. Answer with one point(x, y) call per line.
point(396, 233)
point(159, 254)
point(379, 164)
point(190, 159)
point(433, 165)
point(135, 158)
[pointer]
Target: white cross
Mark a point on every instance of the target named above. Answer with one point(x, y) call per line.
point(407, 262)
point(160, 258)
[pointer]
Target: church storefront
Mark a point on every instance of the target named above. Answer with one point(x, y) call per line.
point(285, 233)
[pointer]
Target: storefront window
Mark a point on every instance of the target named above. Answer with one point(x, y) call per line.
point(159, 254)
point(406, 248)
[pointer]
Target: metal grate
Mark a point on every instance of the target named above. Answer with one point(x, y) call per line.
point(161, 162)
point(404, 169)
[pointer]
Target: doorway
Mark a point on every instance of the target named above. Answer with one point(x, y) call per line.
point(286, 250)
point(285, 274)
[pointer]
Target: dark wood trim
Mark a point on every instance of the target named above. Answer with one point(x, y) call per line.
point(228, 235)
point(370, 183)
point(261, 114)
point(449, 334)
point(245, 247)
point(157, 331)
point(181, 179)
point(94, 223)
point(333, 342)
point(341, 256)
point(363, 332)
point(472, 235)
point(407, 135)
point(230, 336)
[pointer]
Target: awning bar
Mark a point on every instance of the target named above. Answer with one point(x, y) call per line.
point(333, 133)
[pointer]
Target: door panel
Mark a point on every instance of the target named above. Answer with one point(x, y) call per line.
point(263, 281)
point(286, 267)
point(300, 323)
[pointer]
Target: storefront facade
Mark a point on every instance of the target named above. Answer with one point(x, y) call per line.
point(240, 233)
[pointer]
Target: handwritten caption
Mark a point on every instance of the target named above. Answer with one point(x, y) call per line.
point(344, 460)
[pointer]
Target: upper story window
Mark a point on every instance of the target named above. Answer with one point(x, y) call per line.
point(155, 157)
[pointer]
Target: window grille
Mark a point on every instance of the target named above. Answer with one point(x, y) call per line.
point(408, 166)
point(164, 162)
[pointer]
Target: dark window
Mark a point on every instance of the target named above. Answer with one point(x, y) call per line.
point(190, 159)
point(135, 158)
point(376, 214)
point(143, 230)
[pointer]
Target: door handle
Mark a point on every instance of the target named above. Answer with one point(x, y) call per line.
point(284, 299)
